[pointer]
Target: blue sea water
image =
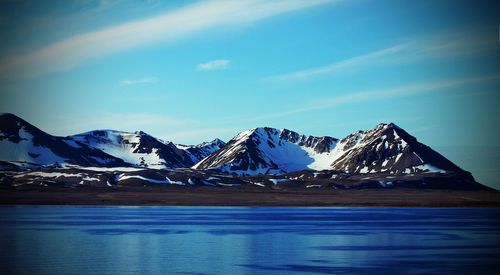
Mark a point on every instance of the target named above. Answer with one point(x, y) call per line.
point(248, 240)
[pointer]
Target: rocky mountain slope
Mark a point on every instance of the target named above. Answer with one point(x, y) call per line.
point(270, 151)
point(383, 157)
point(201, 151)
point(23, 142)
point(138, 149)
point(385, 148)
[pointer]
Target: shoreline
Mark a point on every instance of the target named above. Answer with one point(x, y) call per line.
point(248, 206)
point(233, 197)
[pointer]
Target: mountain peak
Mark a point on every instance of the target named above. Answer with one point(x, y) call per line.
point(393, 125)
point(386, 148)
point(26, 143)
point(141, 133)
point(9, 115)
point(268, 150)
point(215, 141)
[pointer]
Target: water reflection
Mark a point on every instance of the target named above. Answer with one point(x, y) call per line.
point(247, 240)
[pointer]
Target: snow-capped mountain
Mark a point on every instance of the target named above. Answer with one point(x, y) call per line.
point(270, 151)
point(385, 148)
point(141, 149)
point(21, 141)
point(201, 151)
point(138, 149)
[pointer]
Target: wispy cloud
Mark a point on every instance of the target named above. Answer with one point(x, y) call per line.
point(470, 94)
point(337, 66)
point(68, 53)
point(402, 91)
point(422, 129)
point(414, 49)
point(219, 64)
point(98, 5)
point(139, 81)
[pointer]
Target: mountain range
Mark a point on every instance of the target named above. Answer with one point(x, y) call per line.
point(22, 142)
point(384, 150)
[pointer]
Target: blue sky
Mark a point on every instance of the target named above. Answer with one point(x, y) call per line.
point(191, 71)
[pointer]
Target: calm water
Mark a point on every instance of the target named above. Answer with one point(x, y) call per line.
point(247, 240)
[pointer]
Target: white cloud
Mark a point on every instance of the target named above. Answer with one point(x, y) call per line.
point(139, 81)
point(364, 60)
point(406, 90)
point(219, 64)
point(402, 91)
point(417, 48)
point(71, 52)
point(98, 5)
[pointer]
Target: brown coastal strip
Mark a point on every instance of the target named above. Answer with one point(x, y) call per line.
point(227, 196)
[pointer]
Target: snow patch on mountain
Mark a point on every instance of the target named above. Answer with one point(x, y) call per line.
point(270, 151)
point(26, 150)
point(142, 178)
point(385, 148)
point(201, 151)
point(122, 145)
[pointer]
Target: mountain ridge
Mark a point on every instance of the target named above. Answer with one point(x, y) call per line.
point(261, 150)
point(385, 148)
point(109, 148)
point(385, 156)
point(33, 143)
